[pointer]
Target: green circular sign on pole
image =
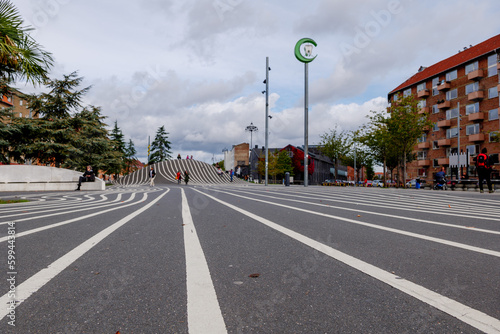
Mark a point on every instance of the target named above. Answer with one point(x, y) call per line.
point(305, 58)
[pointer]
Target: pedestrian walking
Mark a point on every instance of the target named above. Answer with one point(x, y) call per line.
point(178, 177)
point(186, 177)
point(231, 174)
point(152, 176)
point(483, 166)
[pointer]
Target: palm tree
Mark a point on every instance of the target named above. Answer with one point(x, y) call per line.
point(21, 57)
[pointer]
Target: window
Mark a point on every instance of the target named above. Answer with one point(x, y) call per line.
point(395, 97)
point(472, 129)
point(435, 127)
point(407, 92)
point(9, 98)
point(451, 133)
point(471, 67)
point(472, 108)
point(492, 65)
point(451, 94)
point(435, 145)
point(435, 109)
point(473, 87)
point(473, 149)
point(494, 135)
point(422, 139)
point(421, 87)
point(452, 113)
point(422, 104)
point(451, 150)
point(493, 114)
point(21, 102)
point(451, 75)
point(492, 92)
point(435, 83)
point(21, 114)
point(421, 155)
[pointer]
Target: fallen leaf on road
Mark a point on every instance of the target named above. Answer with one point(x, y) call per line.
point(254, 275)
point(359, 215)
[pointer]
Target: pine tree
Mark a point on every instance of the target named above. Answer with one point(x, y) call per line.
point(160, 147)
point(130, 157)
point(117, 164)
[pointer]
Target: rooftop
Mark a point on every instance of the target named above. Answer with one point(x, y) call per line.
point(464, 56)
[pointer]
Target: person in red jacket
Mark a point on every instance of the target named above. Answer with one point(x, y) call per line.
point(483, 167)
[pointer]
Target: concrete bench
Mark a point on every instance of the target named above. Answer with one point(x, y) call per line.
point(42, 178)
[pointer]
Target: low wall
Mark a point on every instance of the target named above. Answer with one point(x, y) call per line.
point(42, 178)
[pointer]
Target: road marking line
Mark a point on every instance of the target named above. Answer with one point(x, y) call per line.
point(458, 310)
point(383, 228)
point(203, 310)
point(69, 221)
point(370, 212)
point(38, 280)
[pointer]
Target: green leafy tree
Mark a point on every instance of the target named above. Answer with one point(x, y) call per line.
point(21, 57)
point(160, 147)
point(336, 145)
point(405, 126)
point(284, 164)
point(6, 133)
point(272, 161)
point(362, 157)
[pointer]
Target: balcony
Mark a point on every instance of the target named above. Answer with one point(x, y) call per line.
point(424, 145)
point(477, 116)
point(444, 105)
point(444, 142)
point(477, 137)
point(424, 110)
point(444, 123)
point(475, 75)
point(423, 93)
point(444, 86)
point(443, 161)
point(423, 163)
point(498, 88)
point(478, 95)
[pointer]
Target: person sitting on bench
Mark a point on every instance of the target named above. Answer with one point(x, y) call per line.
point(88, 176)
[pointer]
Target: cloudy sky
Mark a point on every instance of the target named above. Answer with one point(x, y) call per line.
point(197, 66)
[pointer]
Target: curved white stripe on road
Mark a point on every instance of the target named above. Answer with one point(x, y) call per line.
point(460, 311)
point(203, 310)
point(37, 281)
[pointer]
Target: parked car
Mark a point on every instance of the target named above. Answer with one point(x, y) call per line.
point(377, 183)
point(412, 183)
point(368, 183)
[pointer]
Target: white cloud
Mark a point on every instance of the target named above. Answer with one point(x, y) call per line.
point(197, 66)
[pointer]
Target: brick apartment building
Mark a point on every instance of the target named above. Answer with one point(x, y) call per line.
point(13, 99)
point(465, 85)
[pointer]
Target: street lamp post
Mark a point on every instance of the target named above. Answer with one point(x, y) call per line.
point(252, 128)
point(305, 58)
point(267, 121)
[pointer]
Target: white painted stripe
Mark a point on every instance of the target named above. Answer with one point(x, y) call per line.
point(203, 311)
point(379, 227)
point(69, 221)
point(37, 281)
point(373, 212)
point(458, 310)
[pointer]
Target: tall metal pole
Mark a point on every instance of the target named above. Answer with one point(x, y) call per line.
point(306, 119)
point(459, 167)
point(267, 119)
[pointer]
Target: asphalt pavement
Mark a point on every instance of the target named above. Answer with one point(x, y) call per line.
point(250, 259)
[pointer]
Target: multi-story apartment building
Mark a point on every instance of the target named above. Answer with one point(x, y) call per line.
point(460, 94)
point(14, 99)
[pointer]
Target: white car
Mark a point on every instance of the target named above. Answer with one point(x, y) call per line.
point(377, 183)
